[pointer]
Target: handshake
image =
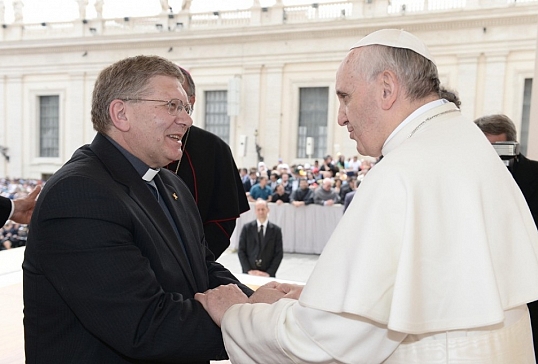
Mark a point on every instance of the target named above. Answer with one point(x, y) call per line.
point(218, 300)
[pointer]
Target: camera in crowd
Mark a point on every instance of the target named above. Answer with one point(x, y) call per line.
point(508, 151)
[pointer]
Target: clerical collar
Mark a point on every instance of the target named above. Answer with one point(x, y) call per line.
point(145, 172)
point(413, 115)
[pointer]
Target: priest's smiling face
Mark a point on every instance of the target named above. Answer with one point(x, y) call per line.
point(359, 109)
point(154, 133)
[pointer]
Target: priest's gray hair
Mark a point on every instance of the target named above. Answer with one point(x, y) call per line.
point(128, 78)
point(498, 124)
point(417, 74)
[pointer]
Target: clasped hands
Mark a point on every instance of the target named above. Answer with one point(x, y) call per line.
point(218, 300)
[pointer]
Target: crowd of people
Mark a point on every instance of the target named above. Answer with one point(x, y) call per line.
point(325, 184)
point(419, 269)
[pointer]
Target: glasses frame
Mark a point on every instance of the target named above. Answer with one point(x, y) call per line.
point(181, 106)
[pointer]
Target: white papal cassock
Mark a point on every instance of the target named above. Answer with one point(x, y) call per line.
point(433, 262)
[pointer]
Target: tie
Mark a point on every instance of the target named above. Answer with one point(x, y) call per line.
point(260, 234)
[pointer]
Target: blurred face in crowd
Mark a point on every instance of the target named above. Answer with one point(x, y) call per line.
point(280, 189)
point(263, 181)
point(327, 184)
point(285, 177)
point(262, 210)
point(303, 184)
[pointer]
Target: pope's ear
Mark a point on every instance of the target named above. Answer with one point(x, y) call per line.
point(118, 115)
point(390, 87)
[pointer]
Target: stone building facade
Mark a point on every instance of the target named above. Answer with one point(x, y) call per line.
point(265, 76)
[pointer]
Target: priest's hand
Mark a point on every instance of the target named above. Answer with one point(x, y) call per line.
point(218, 300)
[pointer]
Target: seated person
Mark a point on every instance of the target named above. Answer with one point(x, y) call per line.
point(280, 196)
point(260, 244)
point(260, 190)
point(303, 195)
point(325, 195)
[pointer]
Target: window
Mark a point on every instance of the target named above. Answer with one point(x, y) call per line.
point(217, 120)
point(49, 134)
point(313, 113)
point(525, 116)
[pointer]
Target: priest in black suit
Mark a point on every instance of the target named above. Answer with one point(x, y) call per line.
point(209, 171)
point(260, 244)
point(116, 249)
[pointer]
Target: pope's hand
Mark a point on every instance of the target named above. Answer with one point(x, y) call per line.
point(218, 300)
point(291, 290)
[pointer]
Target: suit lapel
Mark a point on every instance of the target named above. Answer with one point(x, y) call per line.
point(179, 213)
point(124, 173)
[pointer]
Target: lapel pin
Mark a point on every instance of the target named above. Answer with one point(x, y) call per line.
point(174, 196)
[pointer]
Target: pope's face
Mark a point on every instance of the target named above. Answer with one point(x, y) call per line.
point(155, 135)
point(358, 110)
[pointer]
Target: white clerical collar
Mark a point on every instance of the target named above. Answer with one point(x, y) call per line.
point(414, 114)
point(150, 174)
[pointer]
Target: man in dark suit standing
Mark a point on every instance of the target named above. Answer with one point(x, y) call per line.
point(116, 249)
point(208, 169)
point(19, 210)
point(500, 128)
point(260, 244)
point(250, 181)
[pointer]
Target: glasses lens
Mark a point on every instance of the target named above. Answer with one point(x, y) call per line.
point(174, 106)
point(188, 108)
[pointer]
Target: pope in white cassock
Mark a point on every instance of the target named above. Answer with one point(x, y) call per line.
point(435, 258)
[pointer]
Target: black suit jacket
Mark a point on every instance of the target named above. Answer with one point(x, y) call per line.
point(271, 248)
point(105, 277)
point(5, 210)
point(525, 172)
point(209, 170)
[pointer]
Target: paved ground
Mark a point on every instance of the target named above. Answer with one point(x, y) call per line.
point(294, 267)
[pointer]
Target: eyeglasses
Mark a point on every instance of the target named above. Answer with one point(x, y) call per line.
point(174, 105)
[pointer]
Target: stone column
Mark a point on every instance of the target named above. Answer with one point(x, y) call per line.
point(494, 82)
point(532, 144)
point(270, 116)
point(467, 83)
point(77, 113)
point(14, 135)
point(249, 120)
